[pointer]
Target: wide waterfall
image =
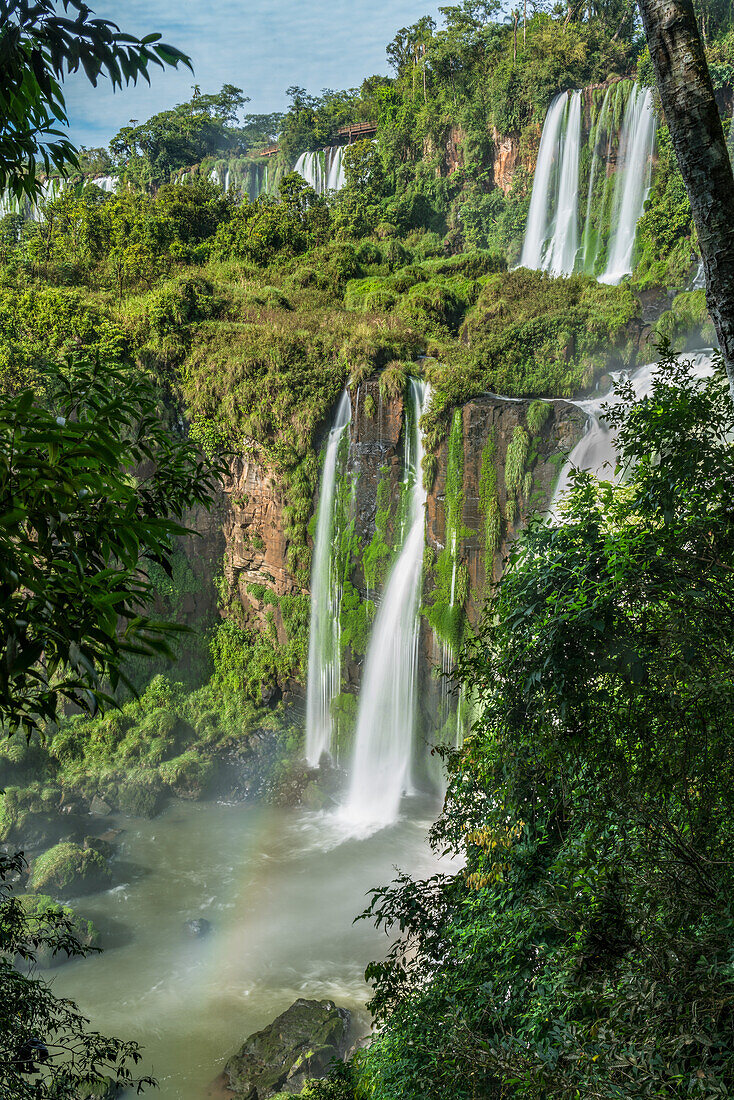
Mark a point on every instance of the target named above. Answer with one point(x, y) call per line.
point(324, 655)
point(387, 709)
point(324, 170)
point(596, 451)
point(108, 184)
point(33, 209)
point(619, 175)
point(633, 179)
point(248, 176)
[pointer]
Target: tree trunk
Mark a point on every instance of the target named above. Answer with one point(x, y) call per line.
point(687, 96)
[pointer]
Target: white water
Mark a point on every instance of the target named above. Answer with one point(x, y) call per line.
point(387, 708)
point(107, 184)
point(632, 185)
point(324, 170)
point(561, 255)
point(50, 189)
point(324, 658)
point(596, 451)
point(552, 232)
point(538, 216)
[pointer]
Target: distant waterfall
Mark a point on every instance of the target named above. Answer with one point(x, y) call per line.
point(324, 170)
point(551, 239)
point(107, 184)
point(614, 199)
point(596, 451)
point(632, 182)
point(387, 709)
point(33, 208)
point(324, 657)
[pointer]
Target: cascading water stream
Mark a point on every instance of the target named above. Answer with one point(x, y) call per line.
point(536, 232)
point(552, 232)
point(632, 184)
point(324, 657)
point(551, 238)
point(596, 451)
point(323, 170)
point(561, 255)
point(387, 709)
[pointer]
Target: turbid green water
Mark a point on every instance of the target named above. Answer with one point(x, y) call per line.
point(280, 888)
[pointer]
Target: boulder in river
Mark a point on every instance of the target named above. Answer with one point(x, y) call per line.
point(299, 1045)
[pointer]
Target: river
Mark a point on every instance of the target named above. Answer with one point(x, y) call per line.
point(281, 889)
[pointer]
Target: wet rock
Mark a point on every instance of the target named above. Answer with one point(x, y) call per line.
point(99, 808)
point(109, 836)
point(299, 1045)
point(98, 844)
point(198, 927)
point(67, 869)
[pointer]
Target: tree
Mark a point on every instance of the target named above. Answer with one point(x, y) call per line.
point(93, 488)
point(149, 153)
point(687, 96)
point(46, 1049)
point(584, 947)
point(40, 42)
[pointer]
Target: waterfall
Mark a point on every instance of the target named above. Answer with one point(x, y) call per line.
point(108, 184)
point(551, 237)
point(536, 232)
point(324, 170)
point(552, 232)
point(596, 451)
point(324, 657)
point(632, 184)
point(387, 709)
point(561, 256)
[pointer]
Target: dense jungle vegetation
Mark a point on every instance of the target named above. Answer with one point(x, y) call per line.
point(585, 948)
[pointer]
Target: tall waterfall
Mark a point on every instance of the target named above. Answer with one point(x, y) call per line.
point(324, 657)
point(387, 709)
point(324, 171)
point(560, 257)
point(632, 183)
point(543, 200)
point(614, 199)
point(596, 451)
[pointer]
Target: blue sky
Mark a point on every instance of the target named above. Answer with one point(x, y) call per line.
point(261, 46)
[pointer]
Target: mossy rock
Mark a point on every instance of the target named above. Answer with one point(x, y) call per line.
point(29, 817)
point(298, 1046)
point(69, 869)
point(141, 797)
point(40, 908)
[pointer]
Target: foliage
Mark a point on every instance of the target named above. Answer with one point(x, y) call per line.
point(76, 527)
point(584, 948)
point(68, 869)
point(149, 153)
point(38, 43)
point(46, 1049)
point(665, 234)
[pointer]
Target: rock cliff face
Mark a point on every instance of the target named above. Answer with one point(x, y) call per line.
point(509, 459)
